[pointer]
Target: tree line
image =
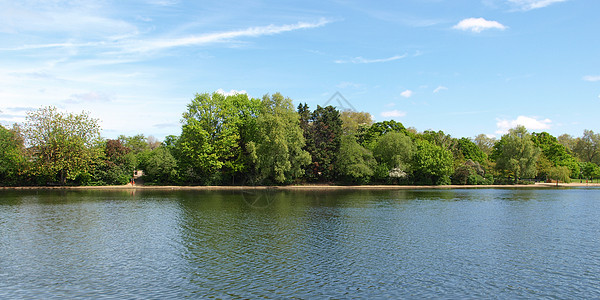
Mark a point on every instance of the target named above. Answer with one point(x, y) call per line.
point(237, 140)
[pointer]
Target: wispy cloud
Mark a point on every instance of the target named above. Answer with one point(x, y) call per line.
point(478, 25)
point(439, 89)
point(211, 38)
point(361, 60)
point(407, 94)
point(531, 123)
point(533, 4)
point(591, 78)
point(393, 114)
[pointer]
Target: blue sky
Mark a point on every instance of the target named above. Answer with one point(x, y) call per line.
point(464, 67)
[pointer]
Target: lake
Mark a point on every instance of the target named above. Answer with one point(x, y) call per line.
point(471, 243)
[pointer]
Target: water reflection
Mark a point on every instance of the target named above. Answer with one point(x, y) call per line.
point(505, 243)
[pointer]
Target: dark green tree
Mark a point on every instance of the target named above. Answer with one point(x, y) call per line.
point(323, 133)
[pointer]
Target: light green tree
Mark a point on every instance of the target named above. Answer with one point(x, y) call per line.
point(394, 150)
point(64, 144)
point(587, 147)
point(432, 164)
point(277, 149)
point(516, 155)
point(560, 173)
point(354, 162)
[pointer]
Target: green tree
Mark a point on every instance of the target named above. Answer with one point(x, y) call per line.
point(394, 150)
point(560, 173)
point(352, 121)
point(212, 143)
point(64, 144)
point(470, 151)
point(555, 152)
point(432, 164)
point(12, 156)
point(367, 136)
point(160, 167)
point(587, 147)
point(354, 163)
point(590, 170)
point(516, 154)
point(485, 143)
point(323, 133)
point(277, 150)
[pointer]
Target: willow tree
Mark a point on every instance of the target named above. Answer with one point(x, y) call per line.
point(516, 154)
point(63, 144)
point(277, 148)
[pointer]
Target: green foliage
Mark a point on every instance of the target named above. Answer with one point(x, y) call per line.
point(353, 121)
point(12, 156)
point(394, 150)
point(587, 147)
point(516, 154)
point(560, 173)
point(160, 167)
point(555, 152)
point(590, 170)
point(323, 133)
point(470, 172)
point(277, 150)
point(470, 151)
point(485, 143)
point(214, 133)
point(63, 143)
point(367, 136)
point(432, 164)
point(354, 163)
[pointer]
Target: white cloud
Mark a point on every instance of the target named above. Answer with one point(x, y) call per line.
point(478, 25)
point(591, 78)
point(533, 4)
point(529, 123)
point(361, 60)
point(393, 114)
point(407, 94)
point(347, 84)
point(230, 93)
point(90, 97)
point(218, 37)
point(439, 89)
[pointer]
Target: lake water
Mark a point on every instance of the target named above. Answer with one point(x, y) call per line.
point(478, 243)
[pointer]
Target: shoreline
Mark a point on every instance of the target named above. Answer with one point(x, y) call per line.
point(303, 187)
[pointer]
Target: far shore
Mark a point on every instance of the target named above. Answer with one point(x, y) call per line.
point(307, 187)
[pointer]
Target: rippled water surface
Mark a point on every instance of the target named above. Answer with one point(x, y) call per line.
point(499, 243)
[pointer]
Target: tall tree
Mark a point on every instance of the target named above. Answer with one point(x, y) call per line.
point(367, 136)
point(485, 143)
point(210, 137)
point(587, 147)
point(516, 154)
point(277, 150)
point(63, 143)
point(432, 164)
point(555, 152)
point(354, 163)
point(394, 150)
point(323, 134)
point(12, 156)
